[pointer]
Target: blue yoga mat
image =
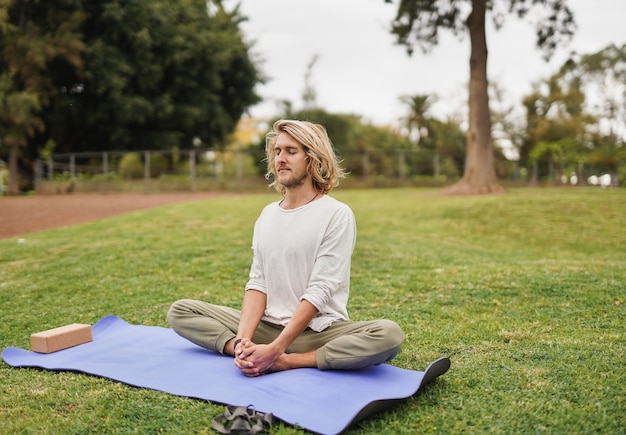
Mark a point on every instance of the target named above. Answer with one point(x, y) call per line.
point(325, 402)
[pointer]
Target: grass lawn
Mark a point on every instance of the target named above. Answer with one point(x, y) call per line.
point(526, 293)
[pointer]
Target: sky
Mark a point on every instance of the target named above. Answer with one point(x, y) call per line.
point(360, 70)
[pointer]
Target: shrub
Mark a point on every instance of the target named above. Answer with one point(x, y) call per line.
point(158, 165)
point(131, 166)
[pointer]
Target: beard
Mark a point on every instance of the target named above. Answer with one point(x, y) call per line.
point(293, 179)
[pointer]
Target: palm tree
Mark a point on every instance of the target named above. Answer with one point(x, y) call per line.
point(417, 122)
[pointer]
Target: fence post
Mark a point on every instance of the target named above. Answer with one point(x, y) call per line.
point(105, 170)
point(550, 169)
point(366, 165)
point(581, 174)
point(192, 170)
point(436, 165)
point(72, 167)
point(146, 171)
point(402, 165)
point(105, 164)
point(192, 164)
point(38, 173)
point(239, 167)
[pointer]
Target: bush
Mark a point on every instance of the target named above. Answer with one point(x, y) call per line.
point(159, 165)
point(131, 166)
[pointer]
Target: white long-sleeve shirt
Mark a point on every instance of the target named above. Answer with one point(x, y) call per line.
point(304, 254)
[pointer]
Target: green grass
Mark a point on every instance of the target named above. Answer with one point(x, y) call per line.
point(525, 292)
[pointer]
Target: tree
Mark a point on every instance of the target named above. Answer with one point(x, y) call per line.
point(157, 75)
point(417, 23)
point(417, 120)
point(603, 80)
point(604, 74)
point(448, 143)
point(556, 123)
point(580, 111)
point(34, 36)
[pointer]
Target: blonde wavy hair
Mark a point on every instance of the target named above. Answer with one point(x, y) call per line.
point(321, 160)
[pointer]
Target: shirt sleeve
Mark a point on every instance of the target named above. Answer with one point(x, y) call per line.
point(329, 283)
point(256, 279)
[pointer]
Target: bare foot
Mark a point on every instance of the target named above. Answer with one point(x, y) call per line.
point(288, 361)
point(280, 364)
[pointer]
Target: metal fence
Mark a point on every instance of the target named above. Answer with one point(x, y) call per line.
point(146, 171)
point(240, 169)
point(243, 169)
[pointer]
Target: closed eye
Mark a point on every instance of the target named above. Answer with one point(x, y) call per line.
point(290, 150)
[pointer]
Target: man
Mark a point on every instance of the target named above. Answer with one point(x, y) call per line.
point(294, 307)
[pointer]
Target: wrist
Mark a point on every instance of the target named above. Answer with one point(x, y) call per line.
point(277, 348)
point(235, 343)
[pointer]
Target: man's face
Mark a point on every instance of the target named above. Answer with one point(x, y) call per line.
point(290, 162)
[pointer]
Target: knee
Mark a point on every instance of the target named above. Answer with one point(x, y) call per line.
point(392, 333)
point(177, 309)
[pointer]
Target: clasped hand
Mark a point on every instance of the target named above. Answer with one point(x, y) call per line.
point(254, 359)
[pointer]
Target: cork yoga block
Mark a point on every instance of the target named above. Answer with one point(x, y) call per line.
point(61, 338)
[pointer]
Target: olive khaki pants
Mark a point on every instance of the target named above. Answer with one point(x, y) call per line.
point(345, 345)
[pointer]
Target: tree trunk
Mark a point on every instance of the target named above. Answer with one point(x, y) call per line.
point(479, 176)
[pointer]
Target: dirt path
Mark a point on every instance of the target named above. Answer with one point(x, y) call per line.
point(22, 215)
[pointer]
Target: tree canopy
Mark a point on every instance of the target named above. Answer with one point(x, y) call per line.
point(112, 74)
point(577, 116)
point(34, 36)
point(157, 74)
point(417, 24)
